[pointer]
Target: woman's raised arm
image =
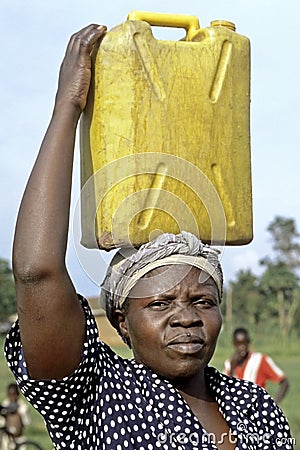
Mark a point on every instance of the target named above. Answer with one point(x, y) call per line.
point(51, 319)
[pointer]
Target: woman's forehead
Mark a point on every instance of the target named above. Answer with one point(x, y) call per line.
point(168, 278)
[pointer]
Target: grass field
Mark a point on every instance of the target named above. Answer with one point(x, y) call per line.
point(285, 356)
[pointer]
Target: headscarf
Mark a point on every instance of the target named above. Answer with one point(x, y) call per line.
point(166, 249)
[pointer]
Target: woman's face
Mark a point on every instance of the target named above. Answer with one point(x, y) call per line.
point(173, 320)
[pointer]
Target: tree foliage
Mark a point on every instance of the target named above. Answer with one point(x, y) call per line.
point(7, 291)
point(285, 240)
point(272, 298)
point(246, 298)
point(281, 284)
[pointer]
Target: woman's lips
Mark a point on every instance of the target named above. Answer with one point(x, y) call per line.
point(186, 343)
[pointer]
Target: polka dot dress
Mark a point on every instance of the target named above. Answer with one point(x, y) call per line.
point(113, 404)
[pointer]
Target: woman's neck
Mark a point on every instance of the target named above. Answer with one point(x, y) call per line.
point(194, 388)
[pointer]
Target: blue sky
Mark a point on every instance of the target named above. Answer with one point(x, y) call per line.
point(34, 35)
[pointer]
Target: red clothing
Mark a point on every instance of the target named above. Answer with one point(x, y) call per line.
point(258, 368)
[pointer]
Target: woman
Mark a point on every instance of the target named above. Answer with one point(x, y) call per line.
point(164, 300)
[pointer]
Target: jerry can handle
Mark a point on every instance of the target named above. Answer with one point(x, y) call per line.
point(189, 23)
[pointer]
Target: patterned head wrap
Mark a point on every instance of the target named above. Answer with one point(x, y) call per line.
point(167, 249)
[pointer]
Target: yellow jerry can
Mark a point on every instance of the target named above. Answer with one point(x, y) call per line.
point(165, 140)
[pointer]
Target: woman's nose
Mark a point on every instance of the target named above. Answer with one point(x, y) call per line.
point(185, 316)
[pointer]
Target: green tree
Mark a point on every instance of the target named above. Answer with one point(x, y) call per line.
point(279, 282)
point(245, 300)
point(285, 238)
point(7, 291)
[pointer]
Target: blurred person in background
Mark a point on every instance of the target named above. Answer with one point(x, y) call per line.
point(254, 366)
point(14, 415)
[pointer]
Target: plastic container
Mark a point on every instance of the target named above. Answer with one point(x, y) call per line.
point(165, 140)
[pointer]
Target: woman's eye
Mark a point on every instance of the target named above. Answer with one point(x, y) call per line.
point(203, 302)
point(159, 304)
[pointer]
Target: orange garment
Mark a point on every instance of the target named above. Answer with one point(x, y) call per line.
point(258, 368)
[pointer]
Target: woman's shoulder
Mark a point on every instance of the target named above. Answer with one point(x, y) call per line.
point(237, 387)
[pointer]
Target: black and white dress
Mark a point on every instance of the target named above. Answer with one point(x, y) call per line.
point(110, 403)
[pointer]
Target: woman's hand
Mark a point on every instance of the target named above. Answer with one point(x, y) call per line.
point(75, 71)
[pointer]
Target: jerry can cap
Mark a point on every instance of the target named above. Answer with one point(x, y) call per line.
point(223, 23)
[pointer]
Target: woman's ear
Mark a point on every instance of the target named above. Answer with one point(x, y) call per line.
point(120, 319)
